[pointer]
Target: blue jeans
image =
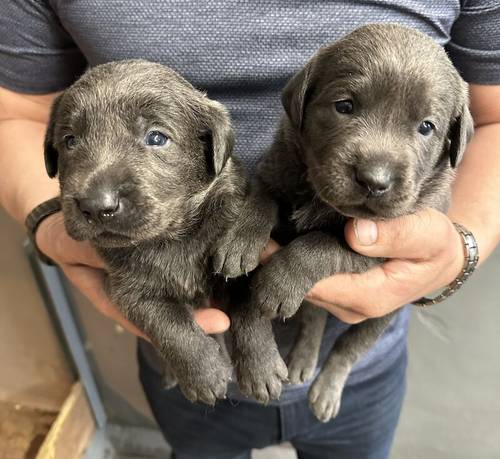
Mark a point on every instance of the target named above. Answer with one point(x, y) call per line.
point(363, 429)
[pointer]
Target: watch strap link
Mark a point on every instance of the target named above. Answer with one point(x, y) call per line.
point(471, 259)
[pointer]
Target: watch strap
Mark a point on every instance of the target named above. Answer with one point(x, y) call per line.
point(471, 252)
point(35, 217)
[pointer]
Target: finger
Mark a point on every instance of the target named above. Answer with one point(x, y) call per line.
point(417, 236)
point(80, 252)
point(90, 282)
point(211, 320)
point(342, 313)
point(378, 291)
point(271, 247)
point(53, 240)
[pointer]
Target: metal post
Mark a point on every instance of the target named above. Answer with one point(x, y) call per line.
point(58, 302)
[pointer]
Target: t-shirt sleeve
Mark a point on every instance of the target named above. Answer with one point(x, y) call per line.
point(474, 47)
point(36, 54)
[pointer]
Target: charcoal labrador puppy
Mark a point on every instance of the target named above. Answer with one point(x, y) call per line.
point(375, 126)
point(146, 175)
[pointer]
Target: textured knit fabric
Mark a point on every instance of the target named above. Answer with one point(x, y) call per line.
point(241, 52)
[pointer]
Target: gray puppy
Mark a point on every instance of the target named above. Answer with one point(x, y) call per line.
point(146, 174)
point(375, 125)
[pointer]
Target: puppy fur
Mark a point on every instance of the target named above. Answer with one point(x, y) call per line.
point(171, 205)
point(396, 78)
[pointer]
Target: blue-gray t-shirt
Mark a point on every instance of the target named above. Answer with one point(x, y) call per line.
point(241, 52)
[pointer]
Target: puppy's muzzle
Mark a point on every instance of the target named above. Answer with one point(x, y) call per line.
point(100, 205)
point(374, 177)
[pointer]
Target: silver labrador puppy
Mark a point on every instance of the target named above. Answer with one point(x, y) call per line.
point(146, 174)
point(375, 126)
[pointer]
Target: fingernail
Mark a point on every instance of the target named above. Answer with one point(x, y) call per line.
point(366, 231)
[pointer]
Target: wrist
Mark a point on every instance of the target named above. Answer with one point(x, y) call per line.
point(27, 203)
point(458, 261)
point(470, 255)
point(39, 223)
point(44, 234)
point(482, 231)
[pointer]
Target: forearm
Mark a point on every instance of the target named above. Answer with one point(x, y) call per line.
point(476, 193)
point(24, 183)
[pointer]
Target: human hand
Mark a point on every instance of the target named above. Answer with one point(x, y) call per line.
point(86, 270)
point(424, 252)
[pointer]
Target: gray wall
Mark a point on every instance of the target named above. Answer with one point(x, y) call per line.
point(452, 409)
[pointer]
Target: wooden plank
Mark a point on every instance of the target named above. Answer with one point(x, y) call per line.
point(71, 432)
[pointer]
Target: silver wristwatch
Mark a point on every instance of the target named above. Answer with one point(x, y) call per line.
point(471, 259)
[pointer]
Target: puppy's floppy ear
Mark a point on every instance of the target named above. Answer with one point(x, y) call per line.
point(459, 135)
point(50, 153)
point(294, 97)
point(219, 136)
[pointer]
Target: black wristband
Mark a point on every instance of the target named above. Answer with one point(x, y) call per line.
point(35, 217)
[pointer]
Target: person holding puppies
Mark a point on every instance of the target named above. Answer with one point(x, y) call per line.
point(243, 54)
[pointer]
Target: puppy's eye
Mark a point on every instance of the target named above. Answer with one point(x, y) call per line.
point(344, 106)
point(156, 139)
point(426, 127)
point(70, 141)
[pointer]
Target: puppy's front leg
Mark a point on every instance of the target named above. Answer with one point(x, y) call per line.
point(196, 360)
point(279, 287)
point(237, 251)
point(326, 392)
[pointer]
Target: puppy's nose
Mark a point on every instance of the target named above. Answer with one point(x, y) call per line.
point(99, 205)
point(375, 178)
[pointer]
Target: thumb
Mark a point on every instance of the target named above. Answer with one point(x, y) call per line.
point(211, 320)
point(416, 236)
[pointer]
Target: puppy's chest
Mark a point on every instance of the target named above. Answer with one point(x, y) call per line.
point(174, 270)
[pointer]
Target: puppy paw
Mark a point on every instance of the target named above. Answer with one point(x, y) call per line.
point(275, 291)
point(262, 377)
point(206, 379)
point(300, 368)
point(238, 252)
point(324, 399)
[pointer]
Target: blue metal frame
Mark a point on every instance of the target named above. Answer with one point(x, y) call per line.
point(58, 302)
